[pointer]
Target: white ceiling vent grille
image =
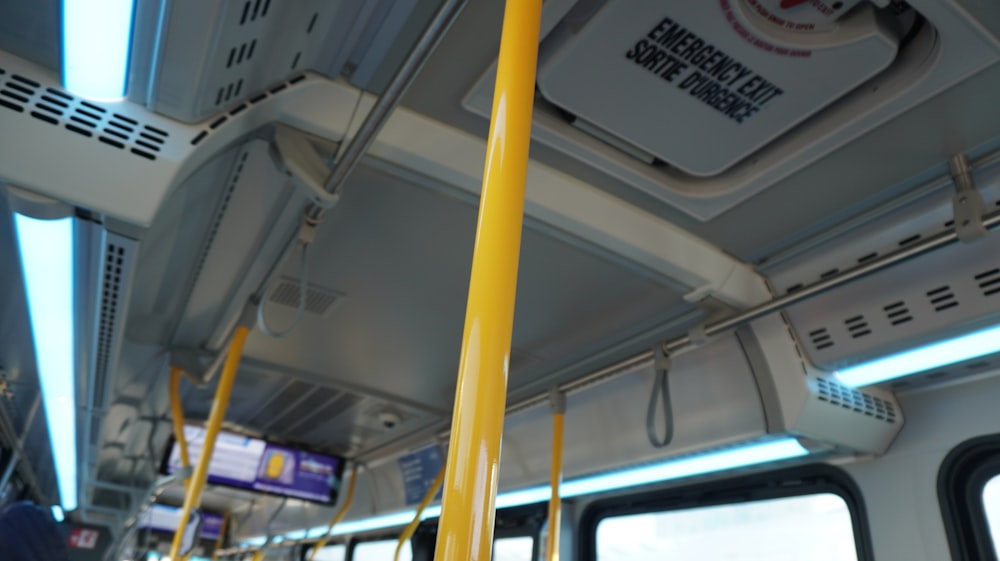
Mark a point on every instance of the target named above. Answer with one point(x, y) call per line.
point(857, 327)
point(254, 100)
point(942, 298)
point(821, 338)
point(989, 282)
point(117, 262)
point(109, 318)
point(942, 293)
point(228, 51)
point(319, 301)
point(897, 313)
point(58, 108)
point(834, 393)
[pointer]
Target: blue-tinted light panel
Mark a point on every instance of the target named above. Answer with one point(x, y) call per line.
point(46, 248)
point(743, 456)
point(737, 457)
point(927, 357)
point(96, 38)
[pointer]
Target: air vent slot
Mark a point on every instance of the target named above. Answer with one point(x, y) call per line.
point(842, 396)
point(319, 301)
point(231, 91)
point(821, 338)
point(857, 326)
point(117, 264)
point(942, 298)
point(989, 282)
point(114, 262)
point(898, 313)
point(56, 107)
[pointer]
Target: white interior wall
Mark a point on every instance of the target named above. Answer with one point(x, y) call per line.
point(901, 488)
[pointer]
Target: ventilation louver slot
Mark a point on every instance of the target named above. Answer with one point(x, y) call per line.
point(252, 9)
point(821, 338)
point(118, 258)
point(989, 282)
point(897, 313)
point(57, 107)
point(849, 398)
point(231, 91)
point(319, 301)
point(942, 298)
point(857, 326)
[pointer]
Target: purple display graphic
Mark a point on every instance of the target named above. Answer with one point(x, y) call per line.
point(163, 518)
point(256, 465)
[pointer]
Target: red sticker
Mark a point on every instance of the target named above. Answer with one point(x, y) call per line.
point(83, 538)
point(761, 44)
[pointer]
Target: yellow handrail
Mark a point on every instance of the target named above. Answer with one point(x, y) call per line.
point(222, 536)
point(196, 486)
point(465, 532)
point(177, 411)
point(555, 501)
point(340, 514)
point(415, 523)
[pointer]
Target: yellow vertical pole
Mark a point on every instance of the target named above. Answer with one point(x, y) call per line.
point(340, 514)
point(465, 531)
point(222, 536)
point(408, 532)
point(177, 410)
point(196, 486)
point(555, 501)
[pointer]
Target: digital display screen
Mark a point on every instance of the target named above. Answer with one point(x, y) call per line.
point(163, 518)
point(257, 465)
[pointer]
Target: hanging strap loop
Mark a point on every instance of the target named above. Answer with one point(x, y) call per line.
point(660, 394)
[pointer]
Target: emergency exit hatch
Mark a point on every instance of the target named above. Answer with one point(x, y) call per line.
point(702, 85)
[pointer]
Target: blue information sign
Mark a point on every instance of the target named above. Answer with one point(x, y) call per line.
point(419, 470)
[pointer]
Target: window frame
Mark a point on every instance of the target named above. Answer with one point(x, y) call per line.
point(797, 481)
point(533, 532)
point(307, 548)
point(961, 480)
point(353, 543)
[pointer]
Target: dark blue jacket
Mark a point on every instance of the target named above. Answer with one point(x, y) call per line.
point(28, 533)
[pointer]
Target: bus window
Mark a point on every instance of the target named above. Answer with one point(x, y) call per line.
point(991, 504)
point(517, 548)
point(381, 550)
point(336, 552)
point(817, 527)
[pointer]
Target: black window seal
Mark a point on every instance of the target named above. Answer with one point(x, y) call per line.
point(797, 481)
point(307, 548)
point(511, 522)
point(376, 537)
point(963, 474)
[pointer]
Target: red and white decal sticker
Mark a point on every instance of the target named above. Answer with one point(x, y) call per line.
point(778, 20)
point(761, 44)
point(83, 538)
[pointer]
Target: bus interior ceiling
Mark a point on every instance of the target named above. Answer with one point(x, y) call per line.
point(825, 170)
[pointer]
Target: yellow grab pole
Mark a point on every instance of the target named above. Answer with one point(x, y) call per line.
point(415, 523)
point(195, 487)
point(465, 531)
point(555, 501)
point(340, 514)
point(258, 555)
point(178, 413)
point(222, 536)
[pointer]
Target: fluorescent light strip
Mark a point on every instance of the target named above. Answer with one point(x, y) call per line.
point(57, 513)
point(731, 458)
point(46, 248)
point(927, 357)
point(96, 39)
